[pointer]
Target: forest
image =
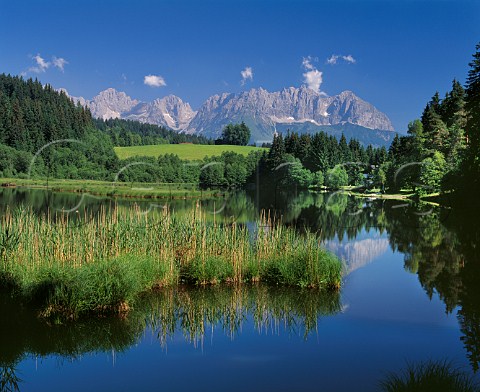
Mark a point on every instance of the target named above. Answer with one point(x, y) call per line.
point(44, 133)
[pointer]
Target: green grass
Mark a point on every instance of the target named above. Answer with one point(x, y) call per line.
point(117, 189)
point(192, 152)
point(430, 377)
point(102, 265)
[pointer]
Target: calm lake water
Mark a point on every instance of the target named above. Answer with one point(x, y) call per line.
point(411, 292)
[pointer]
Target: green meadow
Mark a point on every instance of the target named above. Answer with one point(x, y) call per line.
point(192, 152)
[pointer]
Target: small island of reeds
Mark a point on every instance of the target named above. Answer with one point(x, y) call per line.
point(102, 262)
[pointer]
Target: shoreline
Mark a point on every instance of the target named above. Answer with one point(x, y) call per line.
point(113, 189)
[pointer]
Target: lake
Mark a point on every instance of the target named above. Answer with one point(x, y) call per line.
point(411, 292)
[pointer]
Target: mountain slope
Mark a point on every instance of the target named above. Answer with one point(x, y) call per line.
point(292, 108)
point(297, 109)
point(169, 111)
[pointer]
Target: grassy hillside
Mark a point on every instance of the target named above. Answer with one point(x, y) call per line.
point(184, 151)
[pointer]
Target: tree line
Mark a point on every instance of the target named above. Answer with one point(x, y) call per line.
point(441, 151)
point(133, 133)
point(316, 160)
point(33, 115)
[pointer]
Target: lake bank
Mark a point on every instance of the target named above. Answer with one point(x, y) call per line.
point(113, 189)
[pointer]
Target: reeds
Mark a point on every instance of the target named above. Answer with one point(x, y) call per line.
point(430, 376)
point(100, 262)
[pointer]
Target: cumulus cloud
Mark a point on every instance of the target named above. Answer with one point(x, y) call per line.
point(307, 63)
point(42, 64)
point(154, 81)
point(59, 62)
point(334, 58)
point(312, 77)
point(247, 73)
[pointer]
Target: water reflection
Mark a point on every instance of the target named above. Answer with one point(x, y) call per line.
point(191, 311)
point(441, 248)
point(357, 254)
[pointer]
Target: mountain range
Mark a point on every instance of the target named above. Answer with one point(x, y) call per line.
point(296, 109)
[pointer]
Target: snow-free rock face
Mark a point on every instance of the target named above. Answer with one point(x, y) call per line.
point(289, 106)
point(298, 109)
point(168, 111)
point(110, 104)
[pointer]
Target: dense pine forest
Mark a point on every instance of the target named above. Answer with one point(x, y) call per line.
point(133, 133)
point(33, 115)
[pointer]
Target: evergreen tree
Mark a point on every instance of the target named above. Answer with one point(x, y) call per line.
point(435, 130)
point(276, 155)
point(472, 107)
point(471, 167)
point(415, 130)
point(292, 143)
point(344, 152)
point(454, 106)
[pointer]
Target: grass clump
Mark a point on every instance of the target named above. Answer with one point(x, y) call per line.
point(431, 376)
point(102, 265)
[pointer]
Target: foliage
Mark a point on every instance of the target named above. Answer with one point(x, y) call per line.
point(235, 134)
point(469, 175)
point(318, 178)
point(432, 172)
point(336, 177)
point(433, 151)
point(31, 116)
point(430, 377)
point(304, 160)
point(133, 133)
point(102, 265)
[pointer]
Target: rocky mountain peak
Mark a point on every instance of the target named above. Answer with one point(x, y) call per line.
point(264, 112)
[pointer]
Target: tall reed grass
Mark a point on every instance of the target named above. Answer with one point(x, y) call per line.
point(102, 264)
point(430, 376)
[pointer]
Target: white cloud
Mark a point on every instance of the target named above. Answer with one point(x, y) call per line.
point(247, 73)
point(312, 77)
point(154, 81)
point(349, 59)
point(306, 63)
point(59, 62)
point(42, 64)
point(335, 57)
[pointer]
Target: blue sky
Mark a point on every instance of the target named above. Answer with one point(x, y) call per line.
point(403, 51)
